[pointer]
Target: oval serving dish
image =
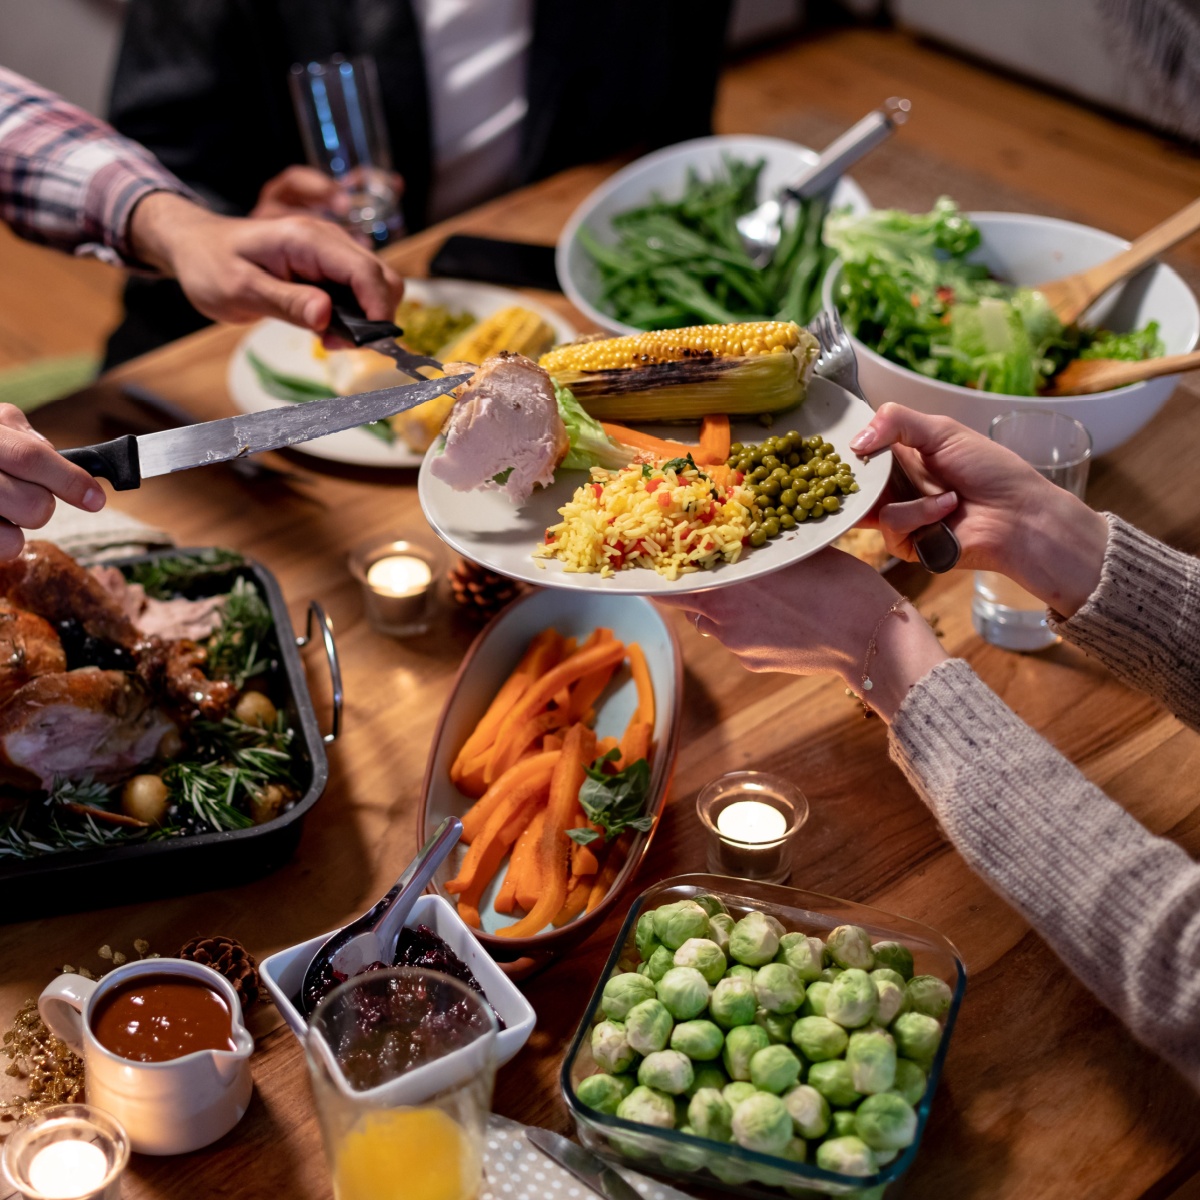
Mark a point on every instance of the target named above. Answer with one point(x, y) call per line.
point(488, 663)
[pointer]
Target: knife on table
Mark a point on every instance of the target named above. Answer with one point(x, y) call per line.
point(590, 1169)
point(126, 461)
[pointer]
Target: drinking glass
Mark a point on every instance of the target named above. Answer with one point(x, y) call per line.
point(402, 1063)
point(345, 135)
point(1060, 449)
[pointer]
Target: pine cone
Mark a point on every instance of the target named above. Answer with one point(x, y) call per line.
point(480, 591)
point(231, 959)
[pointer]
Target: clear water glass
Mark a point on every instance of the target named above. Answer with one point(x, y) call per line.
point(1060, 449)
point(345, 134)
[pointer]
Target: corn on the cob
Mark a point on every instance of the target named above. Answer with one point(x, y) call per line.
point(515, 329)
point(678, 374)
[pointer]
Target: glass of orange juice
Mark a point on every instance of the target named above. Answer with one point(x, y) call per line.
point(402, 1064)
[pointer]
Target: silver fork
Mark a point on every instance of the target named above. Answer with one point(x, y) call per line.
point(936, 545)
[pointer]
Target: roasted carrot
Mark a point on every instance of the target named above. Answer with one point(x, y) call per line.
point(607, 875)
point(714, 439)
point(645, 689)
point(530, 879)
point(534, 771)
point(635, 744)
point(552, 741)
point(553, 881)
point(577, 898)
point(583, 859)
point(605, 745)
point(586, 690)
point(507, 897)
point(528, 735)
point(660, 447)
point(504, 826)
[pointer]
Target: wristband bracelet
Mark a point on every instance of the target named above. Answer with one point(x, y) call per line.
point(872, 644)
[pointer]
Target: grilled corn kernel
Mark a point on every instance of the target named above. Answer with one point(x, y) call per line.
point(514, 329)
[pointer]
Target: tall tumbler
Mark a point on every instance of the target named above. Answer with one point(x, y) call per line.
point(341, 119)
point(1060, 449)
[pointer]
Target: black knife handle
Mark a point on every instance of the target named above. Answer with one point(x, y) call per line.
point(936, 546)
point(348, 320)
point(116, 461)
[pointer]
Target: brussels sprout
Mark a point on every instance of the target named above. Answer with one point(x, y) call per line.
point(622, 992)
point(910, 1080)
point(604, 1092)
point(700, 1040)
point(883, 1157)
point(894, 955)
point(850, 946)
point(893, 999)
point(795, 1151)
point(754, 940)
point(834, 1081)
point(929, 995)
point(737, 1091)
point(712, 905)
point(741, 971)
point(917, 1036)
point(648, 1026)
point(847, 1156)
point(815, 996)
point(880, 974)
point(707, 1075)
point(675, 923)
point(741, 1044)
point(685, 992)
point(703, 954)
point(779, 988)
point(774, 1069)
point(648, 1107)
point(809, 1111)
point(829, 974)
point(852, 999)
point(777, 1025)
point(886, 1122)
point(731, 1173)
point(709, 1115)
point(611, 1048)
point(819, 1038)
point(645, 937)
point(872, 1058)
point(661, 961)
point(683, 1158)
point(666, 1071)
point(733, 1003)
point(841, 1123)
point(803, 954)
point(719, 929)
point(762, 1123)
point(775, 923)
point(640, 969)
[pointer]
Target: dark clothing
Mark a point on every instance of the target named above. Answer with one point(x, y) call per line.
point(203, 84)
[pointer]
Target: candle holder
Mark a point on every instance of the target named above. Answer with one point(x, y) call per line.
point(66, 1152)
point(751, 819)
point(399, 583)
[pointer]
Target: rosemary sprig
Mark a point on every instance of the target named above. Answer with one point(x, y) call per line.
point(209, 789)
point(165, 577)
point(239, 648)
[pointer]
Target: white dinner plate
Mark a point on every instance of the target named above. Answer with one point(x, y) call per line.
point(486, 527)
point(289, 348)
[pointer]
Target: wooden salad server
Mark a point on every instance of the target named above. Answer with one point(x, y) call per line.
point(1071, 296)
point(1086, 375)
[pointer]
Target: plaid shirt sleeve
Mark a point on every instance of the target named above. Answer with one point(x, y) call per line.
point(67, 179)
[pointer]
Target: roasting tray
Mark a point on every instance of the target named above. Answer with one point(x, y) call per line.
point(87, 879)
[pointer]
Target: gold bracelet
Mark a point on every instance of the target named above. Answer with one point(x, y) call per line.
point(872, 646)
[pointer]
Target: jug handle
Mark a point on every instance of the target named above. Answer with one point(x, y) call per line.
point(61, 1007)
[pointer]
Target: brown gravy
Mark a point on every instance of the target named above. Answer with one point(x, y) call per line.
point(154, 1018)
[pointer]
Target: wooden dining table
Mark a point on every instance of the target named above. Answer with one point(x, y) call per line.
point(1045, 1094)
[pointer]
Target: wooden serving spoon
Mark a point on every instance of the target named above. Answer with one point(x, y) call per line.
point(1071, 296)
point(1086, 375)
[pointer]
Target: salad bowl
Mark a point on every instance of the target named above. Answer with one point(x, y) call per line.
point(1026, 249)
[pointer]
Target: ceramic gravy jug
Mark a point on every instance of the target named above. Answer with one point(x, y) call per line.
point(169, 1107)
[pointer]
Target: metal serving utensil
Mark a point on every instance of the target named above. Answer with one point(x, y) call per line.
point(372, 937)
point(936, 545)
point(759, 229)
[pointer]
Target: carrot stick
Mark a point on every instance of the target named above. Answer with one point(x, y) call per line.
point(553, 883)
point(583, 859)
point(605, 745)
point(528, 735)
point(576, 901)
point(535, 770)
point(506, 897)
point(587, 691)
point(645, 689)
point(504, 826)
point(613, 861)
point(552, 741)
point(635, 744)
point(529, 872)
point(714, 439)
point(660, 447)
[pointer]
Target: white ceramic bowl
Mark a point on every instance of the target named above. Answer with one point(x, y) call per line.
point(665, 172)
point(283, 973)
point(1026, 249)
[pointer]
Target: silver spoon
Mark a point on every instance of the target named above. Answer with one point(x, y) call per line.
point(372, 937)
point(760, 227)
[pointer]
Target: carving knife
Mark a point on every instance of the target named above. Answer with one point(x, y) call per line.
point(590, 1169)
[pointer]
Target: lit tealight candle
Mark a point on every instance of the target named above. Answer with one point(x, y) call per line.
point(399, 575)
point(752, 821)
point(68, 1169)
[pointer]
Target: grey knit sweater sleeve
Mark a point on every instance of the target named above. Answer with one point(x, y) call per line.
point(1120, 906)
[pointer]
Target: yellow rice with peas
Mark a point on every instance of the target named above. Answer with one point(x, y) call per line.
point(669, 521)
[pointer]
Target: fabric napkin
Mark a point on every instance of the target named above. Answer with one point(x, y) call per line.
point(93, 537)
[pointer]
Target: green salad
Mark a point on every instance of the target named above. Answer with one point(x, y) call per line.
point(908, 291)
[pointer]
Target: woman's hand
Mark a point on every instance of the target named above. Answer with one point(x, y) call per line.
point(818, 618)
point(238, 270)
point(1007, 517)
point(32, 473)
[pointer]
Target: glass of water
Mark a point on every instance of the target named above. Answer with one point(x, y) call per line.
point(345, 135)
point(1060, 449)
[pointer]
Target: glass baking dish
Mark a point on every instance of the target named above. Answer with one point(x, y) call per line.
point(746, 1171)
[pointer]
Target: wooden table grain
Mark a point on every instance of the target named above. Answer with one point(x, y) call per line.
point(1045, 1094)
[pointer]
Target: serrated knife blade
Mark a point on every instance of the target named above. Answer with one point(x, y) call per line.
point(590, 1169)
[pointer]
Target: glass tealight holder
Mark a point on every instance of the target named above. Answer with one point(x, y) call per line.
point(750, 820)
point(399, 581)
point(66, 1152)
